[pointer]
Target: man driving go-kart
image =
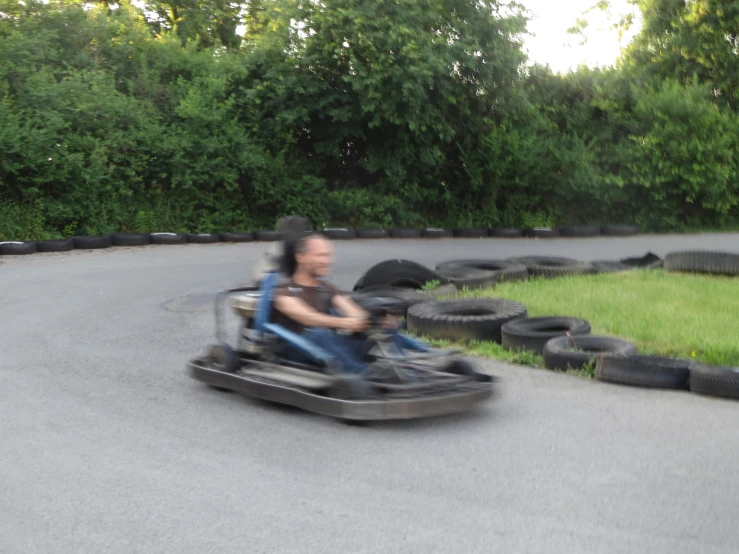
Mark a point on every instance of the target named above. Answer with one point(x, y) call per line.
point(308, 304)
point(305, 343)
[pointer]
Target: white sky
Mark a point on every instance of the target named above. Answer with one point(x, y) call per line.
point(553, 17)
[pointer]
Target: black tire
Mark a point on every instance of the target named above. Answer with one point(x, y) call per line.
point(409, 297)
point(129, 239)
point(471, 233)
point(398, 273)
point(609, 266)
point(469, 277)
point(505, 232)
point(433, 233)
point(237, 237)
point(715, 381)
point(351, 387)
point(580, 231)
point(372, 233)
point(268, 236)
point(222, 357)
point(649, 260)
point(643, 371)
point(548, 266)
point(168, 238)
point(94, 242)
point(340, 234)
point(405, 233)
point(533, 333)
point(460, 366)
point(564, 352)
point(703, 261)
point(17, 248)
point(467, 319)
point(55, 245)
point(505, 270)
point(541, 232)
point(202, 238)
point(619, 230)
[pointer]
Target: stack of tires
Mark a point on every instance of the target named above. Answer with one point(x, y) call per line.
point(18, 248)
point(564, 342)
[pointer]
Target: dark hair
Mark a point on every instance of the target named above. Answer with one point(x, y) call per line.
point(301, 245)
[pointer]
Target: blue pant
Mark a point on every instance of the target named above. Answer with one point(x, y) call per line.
point(349, 351)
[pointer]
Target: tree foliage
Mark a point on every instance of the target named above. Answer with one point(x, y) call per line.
point(410, 112)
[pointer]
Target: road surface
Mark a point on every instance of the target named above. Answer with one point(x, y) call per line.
point(107, 446)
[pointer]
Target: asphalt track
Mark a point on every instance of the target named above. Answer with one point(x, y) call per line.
point(107, 446)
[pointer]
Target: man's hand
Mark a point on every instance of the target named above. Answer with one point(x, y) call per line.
point(355, 324)
point(391, 322)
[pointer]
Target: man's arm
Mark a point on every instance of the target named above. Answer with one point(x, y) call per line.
point(348, 307)
point(296, 309)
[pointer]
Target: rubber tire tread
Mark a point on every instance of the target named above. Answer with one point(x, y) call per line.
point(203, 238)
point(17, 248)
point(542, 233)
point(505, 232)
point(526, 333)
point(55, 245)
point(558, 352)
point(405, 233)
point(471, 233)
point(702, 261)
point(650, 260)
point(717, 381)
point(505, 269)
point(391, 273)
point(437, 320)
point(469, 277)
point(130, 239)
point(609, 266)
point(437, 233)
point(268, 236)
point(619, 230)
point(92, 242)
point(168, 238)
point(340, 234)
point(643, 371)
point(550, 266)
point(372, 233)
point(236, 237)
point(580, 231)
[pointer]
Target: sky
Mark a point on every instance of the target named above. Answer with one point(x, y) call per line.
point(554, 17)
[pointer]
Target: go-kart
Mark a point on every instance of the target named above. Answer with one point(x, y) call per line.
point(407, 378)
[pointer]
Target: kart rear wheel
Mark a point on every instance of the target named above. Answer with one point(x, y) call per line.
point(461, 367)
point(222, 357)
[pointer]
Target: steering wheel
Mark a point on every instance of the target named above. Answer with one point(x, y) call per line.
point(378, 308)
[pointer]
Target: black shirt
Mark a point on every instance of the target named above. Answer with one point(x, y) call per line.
point(319, 298)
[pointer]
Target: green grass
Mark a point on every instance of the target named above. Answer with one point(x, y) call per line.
point(668, 314)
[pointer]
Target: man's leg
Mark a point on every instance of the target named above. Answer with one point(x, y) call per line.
point(346, 350)
point(404, 342)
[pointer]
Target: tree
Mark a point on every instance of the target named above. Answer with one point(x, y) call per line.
point(690, 40)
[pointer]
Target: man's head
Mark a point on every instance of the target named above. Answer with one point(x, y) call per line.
point(314, 255)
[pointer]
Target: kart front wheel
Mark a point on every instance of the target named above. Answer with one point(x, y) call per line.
point(222, 357)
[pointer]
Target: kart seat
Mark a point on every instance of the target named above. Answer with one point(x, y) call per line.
point(263, 325)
